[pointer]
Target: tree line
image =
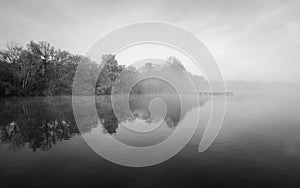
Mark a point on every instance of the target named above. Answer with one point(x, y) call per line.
point(38, 69)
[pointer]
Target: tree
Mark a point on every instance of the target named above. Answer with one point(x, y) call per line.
point(126, 81)
point(109, 73)
point(174, 61)
point(149, 68)
point(40, 70)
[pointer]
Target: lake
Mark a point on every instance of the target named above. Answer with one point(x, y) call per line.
point(258, 145)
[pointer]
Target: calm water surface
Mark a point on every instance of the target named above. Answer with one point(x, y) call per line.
point(258, 146)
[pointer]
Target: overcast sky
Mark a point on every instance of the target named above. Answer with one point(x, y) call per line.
point(251, 40)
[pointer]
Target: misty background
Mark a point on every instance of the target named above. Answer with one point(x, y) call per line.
point(251, 40)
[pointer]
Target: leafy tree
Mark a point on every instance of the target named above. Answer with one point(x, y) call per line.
point(110, 70)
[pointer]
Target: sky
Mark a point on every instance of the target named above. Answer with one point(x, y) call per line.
point(252, 40)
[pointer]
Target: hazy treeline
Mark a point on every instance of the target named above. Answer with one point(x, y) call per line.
point(38, 69)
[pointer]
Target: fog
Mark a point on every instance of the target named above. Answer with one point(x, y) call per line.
point(251, 40)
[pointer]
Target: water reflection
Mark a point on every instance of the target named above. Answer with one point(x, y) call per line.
point(39, 123)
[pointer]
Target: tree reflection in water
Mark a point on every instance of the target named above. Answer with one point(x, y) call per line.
point(39, 123)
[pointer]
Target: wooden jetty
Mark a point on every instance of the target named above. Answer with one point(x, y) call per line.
point(204, 93)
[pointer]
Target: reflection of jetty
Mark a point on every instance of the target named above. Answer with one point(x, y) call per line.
point(205, 93)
